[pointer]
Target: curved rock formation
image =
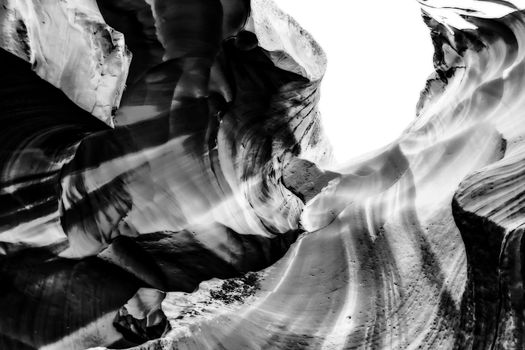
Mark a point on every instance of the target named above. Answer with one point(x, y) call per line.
point(202, 202)
point(69, 45)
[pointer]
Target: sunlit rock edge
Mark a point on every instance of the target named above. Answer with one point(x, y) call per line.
point(69, 45)
point(417, 245)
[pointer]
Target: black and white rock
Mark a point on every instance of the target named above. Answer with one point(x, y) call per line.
point(162, 182)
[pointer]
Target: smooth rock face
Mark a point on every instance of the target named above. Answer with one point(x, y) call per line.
point(198, 214)
point(69, 45)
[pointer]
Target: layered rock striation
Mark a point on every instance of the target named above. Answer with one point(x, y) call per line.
point(192, 209)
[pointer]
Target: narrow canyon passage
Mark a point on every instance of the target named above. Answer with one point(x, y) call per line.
point(164, 185)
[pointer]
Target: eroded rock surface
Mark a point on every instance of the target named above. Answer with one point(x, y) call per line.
point(202, 201)
point(69, 45)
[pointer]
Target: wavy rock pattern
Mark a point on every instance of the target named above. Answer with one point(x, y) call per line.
point(69, 45)
point(203, 202)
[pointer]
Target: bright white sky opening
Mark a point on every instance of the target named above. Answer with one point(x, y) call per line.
point(379, 57)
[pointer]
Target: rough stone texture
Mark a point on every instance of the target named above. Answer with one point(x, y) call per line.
point(69, 45)
point(207, 206)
